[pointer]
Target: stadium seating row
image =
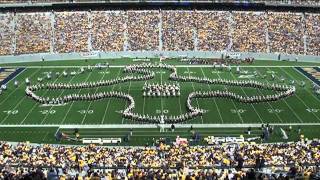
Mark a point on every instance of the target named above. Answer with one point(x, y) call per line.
point(72, 160)
point(82, 31)
point(293, 2)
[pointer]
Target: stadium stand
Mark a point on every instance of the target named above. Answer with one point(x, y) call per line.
point(249, 33)
point(277, 2)
point(34, 33)
point(83, 31)
point(108, 30)
point(286, 32)
point(295, 159)
point(6, 34)
point(313, 34)
point(213, 30)
point(178, 30)
point(71, 32)
point(143, 33)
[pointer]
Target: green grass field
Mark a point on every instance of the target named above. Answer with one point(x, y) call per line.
point(21, 114)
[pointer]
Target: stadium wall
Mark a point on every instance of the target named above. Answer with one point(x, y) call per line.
point(150, 54)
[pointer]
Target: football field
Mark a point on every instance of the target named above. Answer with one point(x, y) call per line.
point(19, 111)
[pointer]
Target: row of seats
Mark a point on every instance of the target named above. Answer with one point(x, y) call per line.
point(293, 2)
point(82, 31)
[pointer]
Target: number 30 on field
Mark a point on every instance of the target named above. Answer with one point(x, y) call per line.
point(86, 111)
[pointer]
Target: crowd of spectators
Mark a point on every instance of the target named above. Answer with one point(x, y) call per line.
point(6, 34)
point(286, 32)
point(108, 29)
point(178, 30)
point(313, 34)
point(71, 32)
point(292, 2)
point(249, 32)
point(73, 160)
point(170, 30)
point(143, 30)
point(33, 31)
point(212, 30)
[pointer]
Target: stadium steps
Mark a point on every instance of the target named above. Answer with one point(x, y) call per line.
point(126, 42)
point(267, 32)
point(14, 40)
point(90, 31)
point(160, 32)
point(231, 30)
point(304, 33)
point(52, 17)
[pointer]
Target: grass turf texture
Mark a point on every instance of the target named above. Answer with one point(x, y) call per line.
point(16, 109)
point(142, 136)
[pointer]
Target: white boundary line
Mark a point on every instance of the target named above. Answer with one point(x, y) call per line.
point(114, 126)
point(311, 81)
point(299, 96)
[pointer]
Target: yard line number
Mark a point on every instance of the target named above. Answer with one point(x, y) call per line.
point(45, 112)
point(11, 112)
point(104, 72)
point(160, 72)
point(165, 111)
point(275, 111)
point(310, 110)
point(86, 111)
point(235, 111)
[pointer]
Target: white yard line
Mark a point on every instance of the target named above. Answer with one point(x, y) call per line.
point(105, 112)
point(309, 91)
point(301, 100)
point(290, 107)
point(196, 98)
point(234, 105)
point(43, 120)
point(18, 104)
point(255, 110)
point(214, 100)
point(44, 137)
point(270, 104)
point(35, 105)
point(161, 95)
point(96, 90)
point(18, 86)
